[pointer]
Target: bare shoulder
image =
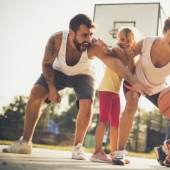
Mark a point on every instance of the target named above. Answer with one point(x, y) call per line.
point(56, 38)
point(138, 45)
point(137, 49)
point(117, 48)
point(94, 49)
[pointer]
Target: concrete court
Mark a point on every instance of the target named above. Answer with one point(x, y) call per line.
point(46, 159)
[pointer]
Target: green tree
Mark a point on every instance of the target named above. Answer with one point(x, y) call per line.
point(13, 114)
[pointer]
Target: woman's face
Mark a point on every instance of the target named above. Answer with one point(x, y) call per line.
point(125, 41)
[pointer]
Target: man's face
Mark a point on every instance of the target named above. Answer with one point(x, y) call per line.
point(83, 37)
point(80, 46)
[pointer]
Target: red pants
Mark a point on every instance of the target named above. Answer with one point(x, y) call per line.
point(109, 108)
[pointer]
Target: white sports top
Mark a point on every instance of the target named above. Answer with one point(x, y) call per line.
point(84, 66)
point(147, 73)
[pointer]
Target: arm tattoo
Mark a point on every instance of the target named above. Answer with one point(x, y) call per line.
point(50, 49)
point(49, 74)
point(50, 54)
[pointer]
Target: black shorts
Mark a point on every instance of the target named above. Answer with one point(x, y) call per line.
point(82, 84)
point(154, 98)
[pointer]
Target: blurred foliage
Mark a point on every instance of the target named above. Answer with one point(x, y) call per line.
point(12, 115)
point(64, 115)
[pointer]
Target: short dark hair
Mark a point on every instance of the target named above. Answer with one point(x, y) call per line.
point(80, 19)
point(167, 24)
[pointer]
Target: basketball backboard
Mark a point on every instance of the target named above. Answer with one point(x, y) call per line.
point(110, 17)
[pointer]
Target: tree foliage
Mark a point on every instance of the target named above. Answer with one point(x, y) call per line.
point(13, 115)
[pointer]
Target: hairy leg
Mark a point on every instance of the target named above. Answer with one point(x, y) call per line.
point(127, 119)
point(83, 119)
point(32, 114)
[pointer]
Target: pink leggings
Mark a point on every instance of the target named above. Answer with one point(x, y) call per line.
point(109, 108)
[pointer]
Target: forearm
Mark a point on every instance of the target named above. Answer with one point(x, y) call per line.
point(48, 73)
point(131, 66)
point(121, 70)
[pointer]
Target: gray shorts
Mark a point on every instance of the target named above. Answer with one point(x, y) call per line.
point(82, 84)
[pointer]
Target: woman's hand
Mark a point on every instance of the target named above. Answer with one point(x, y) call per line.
point(106, 49)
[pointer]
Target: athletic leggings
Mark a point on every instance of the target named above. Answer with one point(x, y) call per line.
point(109, 108)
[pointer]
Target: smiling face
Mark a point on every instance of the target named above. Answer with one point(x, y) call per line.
point(82, 38)
point(125, 39)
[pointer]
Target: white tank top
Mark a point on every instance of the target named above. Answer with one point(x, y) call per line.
point(147, 73)
point(84, 66)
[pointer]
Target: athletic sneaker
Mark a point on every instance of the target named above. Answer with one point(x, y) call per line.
point(167, 161)
point(100, 157)
point(160, 154)
point(167, 146)
point(77, 152)
point(112, 155)
point(20, 146)
point(119, 157)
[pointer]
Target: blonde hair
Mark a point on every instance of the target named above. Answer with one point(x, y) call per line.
point(136, 34)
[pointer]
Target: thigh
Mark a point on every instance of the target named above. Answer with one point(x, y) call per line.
point(115, 110)
point(105, 104)
point(83, 86)
point(61, 80)
point(153, 99)
point(128, 92)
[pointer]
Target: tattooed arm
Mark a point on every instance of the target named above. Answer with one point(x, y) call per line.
point(51, 52)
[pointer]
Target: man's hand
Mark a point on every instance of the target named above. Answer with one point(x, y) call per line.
point(54, 96)
point(142, 89)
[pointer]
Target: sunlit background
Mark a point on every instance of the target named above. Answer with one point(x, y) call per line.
point(24, 31)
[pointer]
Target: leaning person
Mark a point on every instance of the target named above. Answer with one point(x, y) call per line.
point(67, 62)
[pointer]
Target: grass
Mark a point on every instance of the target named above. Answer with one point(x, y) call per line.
point(91, 150)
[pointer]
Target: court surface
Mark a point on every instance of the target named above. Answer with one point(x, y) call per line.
point(46, 159)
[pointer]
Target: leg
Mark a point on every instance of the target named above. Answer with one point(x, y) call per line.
point(105, 99)
point(105, 103)
point(100, 131)
point(164, 157)
point(24, 145)
point(37, 96)
point(128, 114)
point(83, 119)
point(114, 122)
point(113, 139)
point(84, 89)
point(125, 128)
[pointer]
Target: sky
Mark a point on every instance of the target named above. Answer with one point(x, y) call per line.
point(24, 31)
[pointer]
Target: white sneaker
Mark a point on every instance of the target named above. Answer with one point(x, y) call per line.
point(77, 152)
point(20, 146)
point(119, 158)
point(126, 161)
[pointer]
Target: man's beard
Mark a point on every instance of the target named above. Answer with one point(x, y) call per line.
point(79, 45)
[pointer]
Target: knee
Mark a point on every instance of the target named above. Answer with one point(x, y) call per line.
point(166, 115)
point(86, 106)
point(131, 107)
point(38, 93)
